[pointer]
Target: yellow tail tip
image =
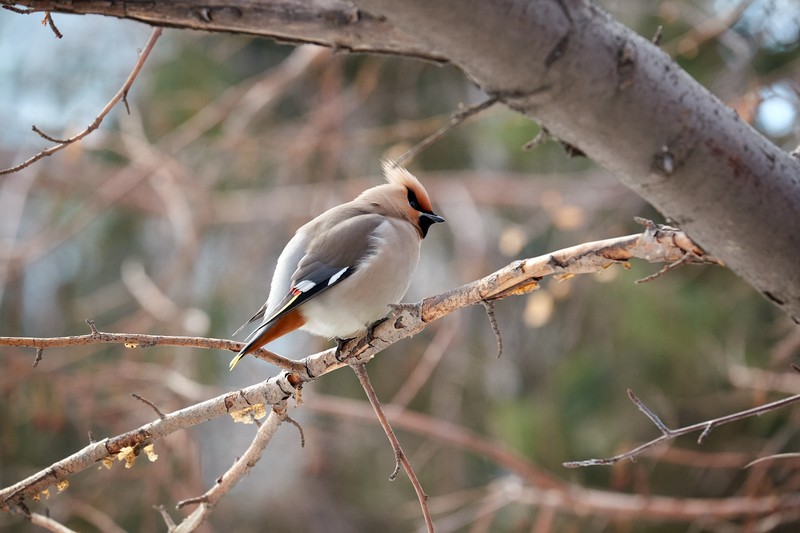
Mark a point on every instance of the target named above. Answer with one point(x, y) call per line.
point(235, 361)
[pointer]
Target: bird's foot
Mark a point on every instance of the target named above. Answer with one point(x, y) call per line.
point(399, 308)
point(340, 344)
point(371, 330)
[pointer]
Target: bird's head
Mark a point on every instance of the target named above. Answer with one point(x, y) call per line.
point(402, 197)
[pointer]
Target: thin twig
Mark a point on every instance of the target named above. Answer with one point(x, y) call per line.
point(139, 340)
point(656, 38)
point(650, 414)
point(48, 19)
point(685, 260)
point(542, 137)
point(166, 517)
point(49, 524)
point(47, 137)
point(669, 434)
point(21, 11)
point(296, 424)
point(455, 119)
point(489, 306)
point(99, 119)
point(773, 457)
point(400, 457)
point(153, 406)
point(39, 354)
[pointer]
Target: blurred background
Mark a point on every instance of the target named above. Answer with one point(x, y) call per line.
point(169, 221)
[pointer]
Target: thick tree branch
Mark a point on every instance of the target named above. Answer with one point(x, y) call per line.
point(333, 23)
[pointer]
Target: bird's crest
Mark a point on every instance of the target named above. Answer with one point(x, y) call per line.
point(398, 175)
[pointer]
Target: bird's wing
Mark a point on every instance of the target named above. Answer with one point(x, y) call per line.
point(330, 258)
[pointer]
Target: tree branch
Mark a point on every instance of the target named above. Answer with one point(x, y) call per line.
point(337, 24)
point(235, 473)
point(669, 434)
point(121, 95)
point(399, 454)
point(655, 244)
point(541, 489)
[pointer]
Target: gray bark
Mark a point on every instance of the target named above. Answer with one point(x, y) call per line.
point(591, 81)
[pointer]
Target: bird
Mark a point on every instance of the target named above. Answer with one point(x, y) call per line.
point(342, 271)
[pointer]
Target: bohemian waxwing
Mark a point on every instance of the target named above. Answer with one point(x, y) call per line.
point(341, 271)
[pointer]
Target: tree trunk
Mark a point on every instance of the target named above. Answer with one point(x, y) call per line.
point(589, 80)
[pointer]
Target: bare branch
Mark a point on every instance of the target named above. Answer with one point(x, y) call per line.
point(669, 434)
point(48, 19)
point(455, 120)
point(49, 524)
point(229, 479)
point(400, 457)
point(39, 354)
point(138, 340)
point(147, 402)
point(489, 306)
point(99, 119)
point(541, 489)
point(273, 391)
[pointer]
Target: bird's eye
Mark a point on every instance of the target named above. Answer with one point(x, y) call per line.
point(412, 200)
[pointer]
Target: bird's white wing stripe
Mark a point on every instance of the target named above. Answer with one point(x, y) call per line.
point(305, 285)
point(336, 276)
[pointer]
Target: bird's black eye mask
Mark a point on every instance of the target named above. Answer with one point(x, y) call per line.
point(413, 202)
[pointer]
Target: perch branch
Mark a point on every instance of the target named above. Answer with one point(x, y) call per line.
point(121, 95)
point(655, 244)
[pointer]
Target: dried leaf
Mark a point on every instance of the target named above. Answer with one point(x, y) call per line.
point(127, 454)
point(150, 451)
point(250, 414)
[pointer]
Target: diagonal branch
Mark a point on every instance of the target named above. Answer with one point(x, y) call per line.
point(235, 473)
point(121, 95)
point(399, 454)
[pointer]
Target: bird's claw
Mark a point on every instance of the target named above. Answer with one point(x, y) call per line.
point(371, 330)
point(340, 344)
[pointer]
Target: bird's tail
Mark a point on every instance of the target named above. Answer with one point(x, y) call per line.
point(268, 332)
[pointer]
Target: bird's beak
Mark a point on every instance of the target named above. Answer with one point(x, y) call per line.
point(426, 220)
point(433, 217)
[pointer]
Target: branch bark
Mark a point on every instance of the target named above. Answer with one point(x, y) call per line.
point(589, 80)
